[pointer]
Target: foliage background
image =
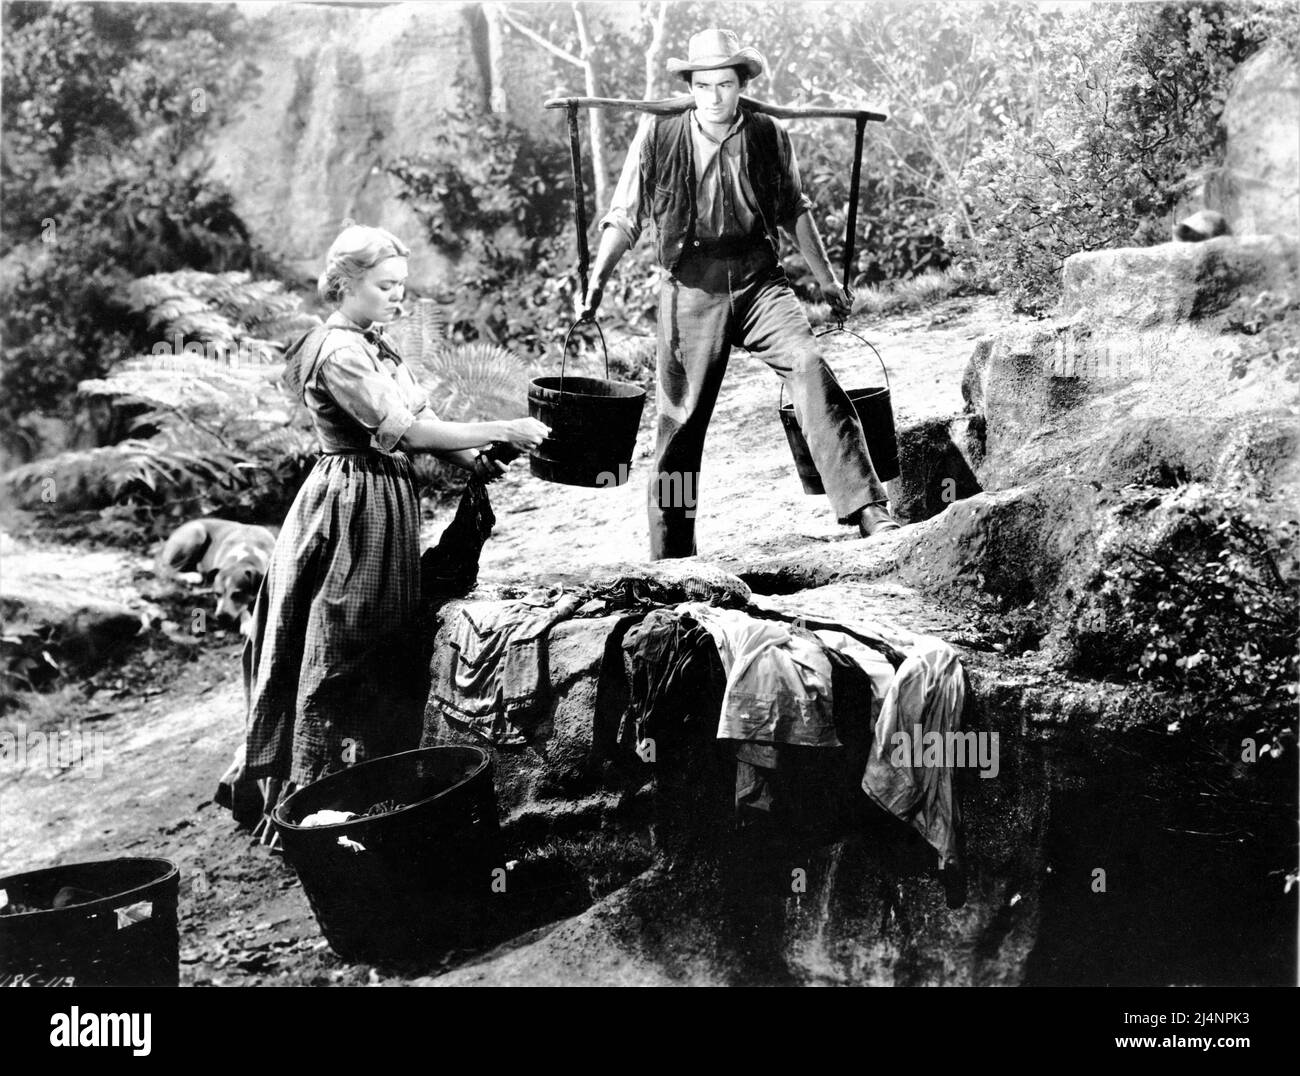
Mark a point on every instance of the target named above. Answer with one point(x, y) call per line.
point(105, 180)
point(1016, 136)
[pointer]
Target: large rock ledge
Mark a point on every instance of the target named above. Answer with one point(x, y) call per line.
point(1084, 438)
point(717, 905)
point(1172, 283)
point(45, 606)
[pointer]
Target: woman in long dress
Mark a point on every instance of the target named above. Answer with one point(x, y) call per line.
point(335, 667)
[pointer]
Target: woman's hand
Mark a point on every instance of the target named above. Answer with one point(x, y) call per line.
point(525, 433)
point(476, 462)
point(486, 469)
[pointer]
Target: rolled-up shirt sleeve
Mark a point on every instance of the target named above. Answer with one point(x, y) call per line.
point(797, 203)
point(627, 209)
point(369, 395)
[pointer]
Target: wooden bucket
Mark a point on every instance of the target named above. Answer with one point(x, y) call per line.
point(875, 411)
point(593, 425)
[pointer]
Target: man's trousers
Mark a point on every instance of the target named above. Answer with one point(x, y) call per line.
point(708, 305)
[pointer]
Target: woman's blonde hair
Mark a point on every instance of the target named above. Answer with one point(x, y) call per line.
point(357, 250)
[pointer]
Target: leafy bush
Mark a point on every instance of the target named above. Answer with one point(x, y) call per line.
point(103, 104)
point(631, 299)
point(1209, 611)
point(62, 322)
point(495, 198)
point(1133, 95)
point(948, 76)
point(105, 82)
point(70, 314)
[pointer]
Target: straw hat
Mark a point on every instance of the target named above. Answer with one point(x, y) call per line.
point(712, 49)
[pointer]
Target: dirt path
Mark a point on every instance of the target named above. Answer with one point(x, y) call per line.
point(139, 783)
point(750, 500)
point(151, 758)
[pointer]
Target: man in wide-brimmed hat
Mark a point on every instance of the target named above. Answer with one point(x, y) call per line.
point(718, 180)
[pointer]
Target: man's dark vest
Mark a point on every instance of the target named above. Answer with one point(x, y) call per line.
point(668, 176)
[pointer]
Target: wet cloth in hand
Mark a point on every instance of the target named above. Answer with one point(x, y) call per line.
point(492, 673)
point(450, 568)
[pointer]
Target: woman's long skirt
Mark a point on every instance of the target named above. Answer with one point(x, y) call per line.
point(336, 666)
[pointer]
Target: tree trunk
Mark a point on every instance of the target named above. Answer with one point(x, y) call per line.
point(654, 53)
point(595, 116)
point(496, 57)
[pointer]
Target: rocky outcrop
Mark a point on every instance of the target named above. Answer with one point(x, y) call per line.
point(1261, 171)
point(1128, 386)
point(53, 623)
point(1015, 546)
point(1174, 283)
point(934, 468)
point(858, 911)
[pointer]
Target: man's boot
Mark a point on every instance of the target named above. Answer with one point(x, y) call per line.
point(875, 519)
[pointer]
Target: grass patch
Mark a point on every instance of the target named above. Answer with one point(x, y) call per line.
point(914, 293)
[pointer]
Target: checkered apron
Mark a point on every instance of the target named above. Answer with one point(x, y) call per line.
point(336, 668)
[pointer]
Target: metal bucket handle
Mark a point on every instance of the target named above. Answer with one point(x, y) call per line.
point(564, 355)
point(841, 329)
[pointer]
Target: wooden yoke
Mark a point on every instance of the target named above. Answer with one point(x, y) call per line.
point(668, 106)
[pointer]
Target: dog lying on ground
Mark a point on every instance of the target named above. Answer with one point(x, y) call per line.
point(233, 556)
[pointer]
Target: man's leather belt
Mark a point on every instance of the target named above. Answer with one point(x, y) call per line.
point(731, 247)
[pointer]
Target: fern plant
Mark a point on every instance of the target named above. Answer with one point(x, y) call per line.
point(464, 382)
point(424, 331)
point(217, 313)
point(213, 433)
point(134, 471)
point(212, 436)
